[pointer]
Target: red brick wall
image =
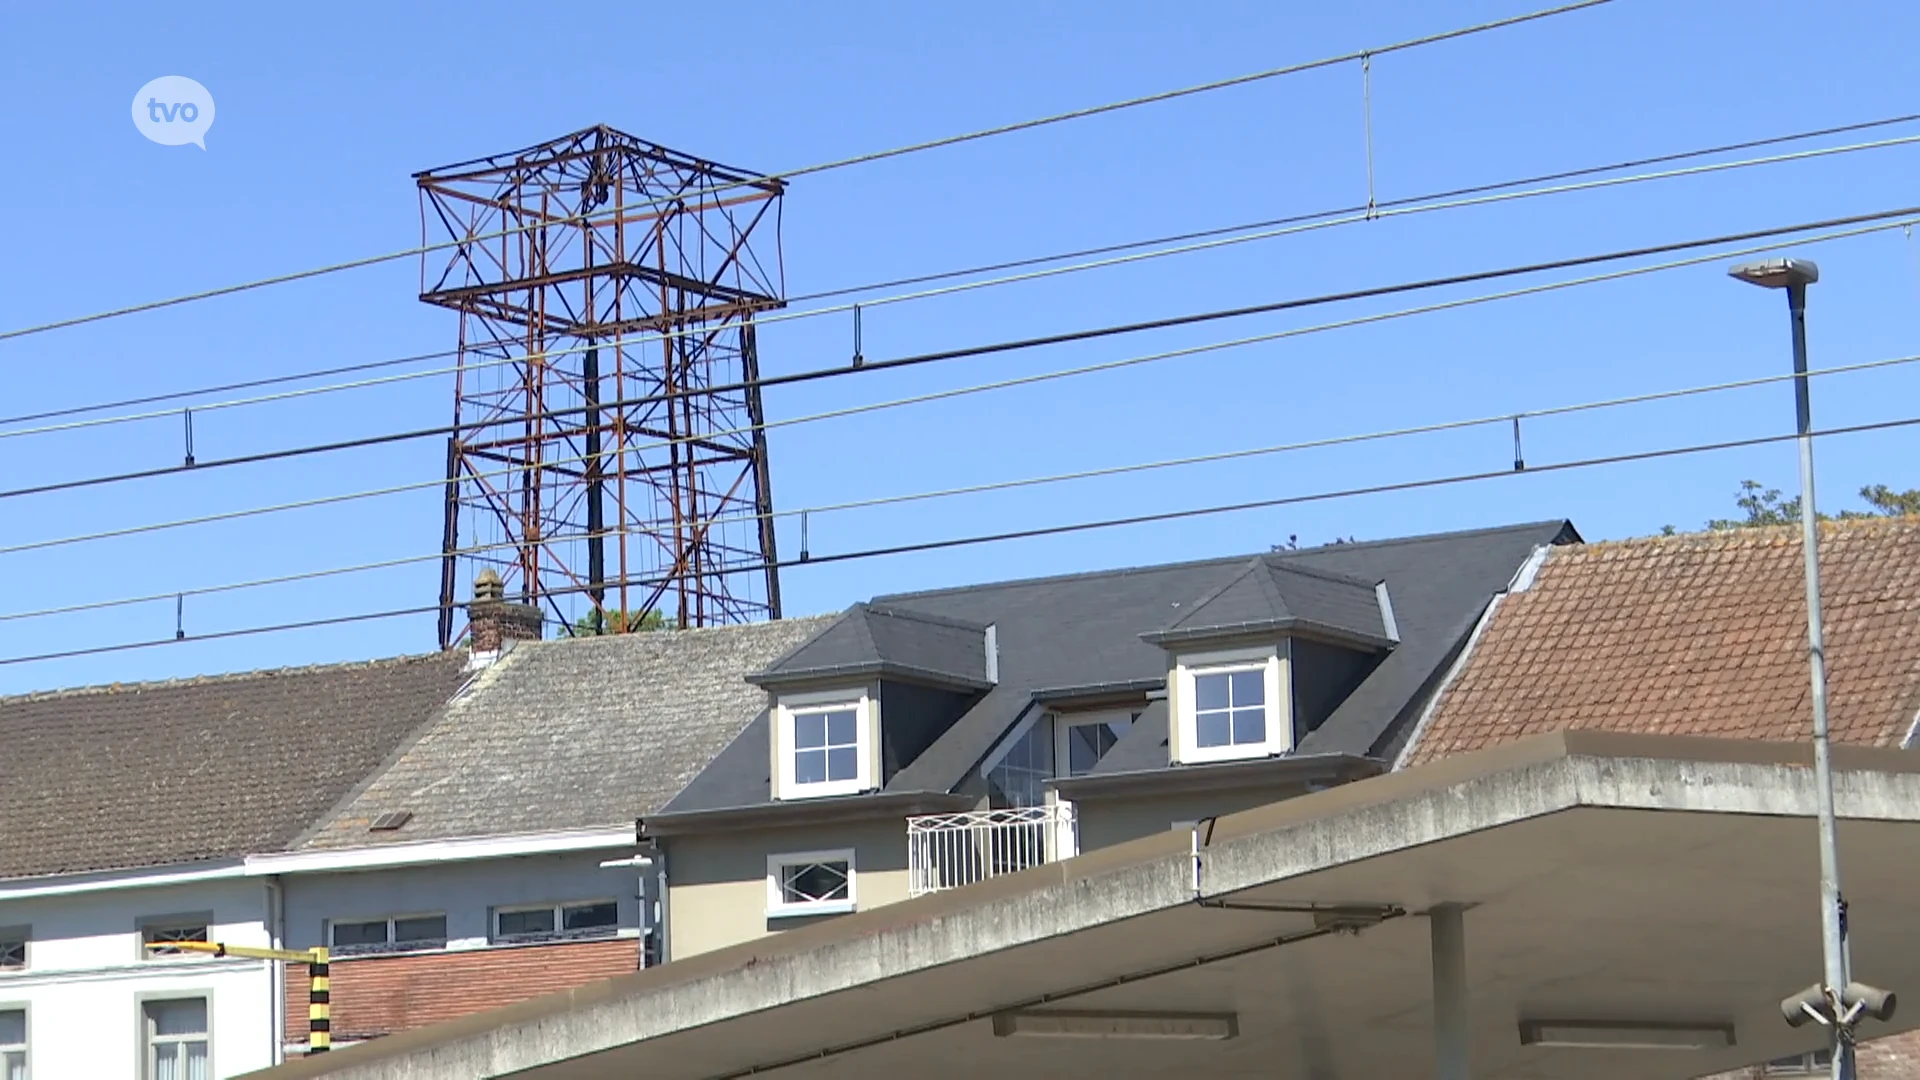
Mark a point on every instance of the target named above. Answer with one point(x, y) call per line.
point(378, 995)
point(1894, 1057)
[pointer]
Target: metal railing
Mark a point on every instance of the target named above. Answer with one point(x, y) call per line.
point(946, 851)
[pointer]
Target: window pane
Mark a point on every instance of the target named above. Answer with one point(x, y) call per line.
point(13, 952)
point(1212, 729)
point(590, 916)
point(1249, 688)
point(1088, 743)
point(185, 1016)
point(1210, 691)
point(197, 1061)
point(172, 933)
point(1249, 726)
point(421, 928)
point(813, 882)
point(843, 763)
point(809, 730)
point(538, 921)
point(166, 1062)
point(13, 1027)
point(13, 1064)
point(348, 934)
point(809, 766)
point(841, 728)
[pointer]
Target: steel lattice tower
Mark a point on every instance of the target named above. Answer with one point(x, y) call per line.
point(610, 455)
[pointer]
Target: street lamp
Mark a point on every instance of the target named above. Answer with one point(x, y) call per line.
point(1839, 1004)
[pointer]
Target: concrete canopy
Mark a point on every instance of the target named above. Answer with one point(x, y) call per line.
point(1608, 878)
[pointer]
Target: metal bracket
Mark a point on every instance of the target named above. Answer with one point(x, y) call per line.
point(1366, 108)
point(180, 609)
point(804, 554)
point(859, 357)
point(187, 415)
point(1519, 458)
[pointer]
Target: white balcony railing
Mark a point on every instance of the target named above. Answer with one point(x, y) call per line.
point(946, 851)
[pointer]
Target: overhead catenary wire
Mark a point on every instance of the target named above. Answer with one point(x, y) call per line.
point(1036, 532)
point(866, 158)
point(1906, 214)
point(1436, 427)
point(1227, 236)
point(932, 396)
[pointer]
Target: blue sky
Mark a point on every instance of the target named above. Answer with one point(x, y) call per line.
point(324, 112)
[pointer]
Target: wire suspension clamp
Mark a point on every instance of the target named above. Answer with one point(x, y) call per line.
point(1519, 458)
point(1366, 112)
point(186, 415)
point(859, 358)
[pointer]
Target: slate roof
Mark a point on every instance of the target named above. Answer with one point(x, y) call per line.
point(1085, 630)
point(874, 639)
point(1272, 594)
point(151, 774)
point(1699, 635)
point(575, 733)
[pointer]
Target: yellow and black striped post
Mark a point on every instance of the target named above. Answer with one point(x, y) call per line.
point(319, 1008)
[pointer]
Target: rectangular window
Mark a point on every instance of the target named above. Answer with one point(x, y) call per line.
point(821, 745)
point(403, 933)
point(13, 950)
point(13, 1044)
point(811, 883)
point(1084, 740)
point(1811, 1063)
point(1232, 706)
point(557, 922)
point(173, 928)
point(176, 1040)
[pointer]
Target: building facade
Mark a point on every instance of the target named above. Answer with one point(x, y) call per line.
point(926, 741)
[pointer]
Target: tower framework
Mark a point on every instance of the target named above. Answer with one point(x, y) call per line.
point(610, 461)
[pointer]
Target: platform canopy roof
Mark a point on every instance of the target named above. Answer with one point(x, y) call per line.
point(1648, 880)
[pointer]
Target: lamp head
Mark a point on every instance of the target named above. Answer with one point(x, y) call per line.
point(1777, 273)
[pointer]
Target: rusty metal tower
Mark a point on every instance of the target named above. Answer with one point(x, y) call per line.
point(610, 456)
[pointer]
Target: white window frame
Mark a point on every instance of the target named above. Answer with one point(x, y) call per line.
point(25, 1046)
point(1062, 758)
point(1279, 727)
point(148, 1040)
point(186, 920)
point(391, 945)
point(777, 905)
point(861, 701)
point(559, 932)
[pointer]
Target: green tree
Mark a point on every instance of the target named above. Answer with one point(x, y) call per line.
point(1760, 506)
point(615, 621)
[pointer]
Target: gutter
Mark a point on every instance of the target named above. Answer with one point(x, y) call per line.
point(1188, 779)
point(797, 812)
point(429, 852)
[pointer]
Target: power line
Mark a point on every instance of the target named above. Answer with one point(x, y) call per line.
point(827, 166)
point(1228, 235)
point(1052, 339)
point(1001, 485)
point(1036, 532)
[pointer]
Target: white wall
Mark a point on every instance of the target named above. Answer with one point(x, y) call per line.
point(465, 891)
point(86, 978)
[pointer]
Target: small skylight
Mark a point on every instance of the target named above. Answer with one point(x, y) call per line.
point(390, 821)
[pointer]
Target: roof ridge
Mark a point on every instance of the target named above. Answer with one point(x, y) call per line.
point(1221, 560)
point(220, 677)
point(1751, 535)
point(890, 611)
point(1336, 576)
point(667, 634)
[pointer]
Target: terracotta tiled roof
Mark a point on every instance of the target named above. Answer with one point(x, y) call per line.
point(1699, 635)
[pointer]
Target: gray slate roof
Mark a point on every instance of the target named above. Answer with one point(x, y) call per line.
point(1276, 594)
point(152, 774)
point(577, 733)
point(1085, 630)
point(875, 639)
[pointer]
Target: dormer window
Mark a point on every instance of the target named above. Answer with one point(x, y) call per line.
point(1230, 705)
point(824, 744)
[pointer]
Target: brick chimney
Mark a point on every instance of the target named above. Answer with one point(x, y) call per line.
point(494, 621)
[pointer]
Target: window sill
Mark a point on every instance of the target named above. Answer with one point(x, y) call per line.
point(797, 911)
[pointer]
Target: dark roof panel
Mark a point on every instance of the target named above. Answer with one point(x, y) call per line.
point(875, 640)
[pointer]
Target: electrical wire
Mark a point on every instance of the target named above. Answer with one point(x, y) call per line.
point(1289, 226)
point(1032, 533)
point(827, 166)
point(641, 528)
point(1055, 339)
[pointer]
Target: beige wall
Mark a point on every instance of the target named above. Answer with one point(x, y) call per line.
point(717, 885)
point(1105, 822)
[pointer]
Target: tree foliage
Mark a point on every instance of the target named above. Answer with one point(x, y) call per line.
point(615, 621)
point(1760, 506)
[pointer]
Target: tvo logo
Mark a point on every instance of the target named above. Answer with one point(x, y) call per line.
point(174, 110)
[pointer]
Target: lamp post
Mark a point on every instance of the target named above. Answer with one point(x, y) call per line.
point(1794, 275)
